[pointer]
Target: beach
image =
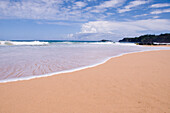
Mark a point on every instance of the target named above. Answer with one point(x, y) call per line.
point(132, 83)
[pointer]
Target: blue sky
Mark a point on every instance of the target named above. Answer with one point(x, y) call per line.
point(82, 19)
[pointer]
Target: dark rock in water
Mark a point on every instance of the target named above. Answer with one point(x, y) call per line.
point(105, 40)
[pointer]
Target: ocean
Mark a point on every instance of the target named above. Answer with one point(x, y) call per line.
point(23, 60)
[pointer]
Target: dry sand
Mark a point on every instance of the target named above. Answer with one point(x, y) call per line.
point(133, 83)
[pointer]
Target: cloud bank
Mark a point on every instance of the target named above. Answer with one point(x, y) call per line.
point(117, 30)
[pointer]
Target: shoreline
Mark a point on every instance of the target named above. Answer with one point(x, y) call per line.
point(75, 69)
point(156, 45)
point(132, 83)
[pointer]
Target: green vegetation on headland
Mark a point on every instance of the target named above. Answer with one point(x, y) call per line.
point(148, 39)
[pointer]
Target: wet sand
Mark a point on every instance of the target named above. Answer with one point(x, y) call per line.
point(156, 45)
point(133, 83)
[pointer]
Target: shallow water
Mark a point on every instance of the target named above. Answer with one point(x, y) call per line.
point(22, 61)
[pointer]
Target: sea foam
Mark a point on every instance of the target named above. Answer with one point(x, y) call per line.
point(23, 43)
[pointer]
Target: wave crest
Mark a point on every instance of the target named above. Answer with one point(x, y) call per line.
point(23, 43)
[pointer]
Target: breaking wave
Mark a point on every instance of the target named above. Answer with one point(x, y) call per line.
point(56, 42)
point(23, 43)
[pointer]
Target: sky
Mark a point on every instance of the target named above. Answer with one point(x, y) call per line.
point(82, 19)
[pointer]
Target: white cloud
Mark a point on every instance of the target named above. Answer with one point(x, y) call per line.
point(116, 30)
point(80, 4)
point(91, 0)
point(110, 27)
point(132, 5)
point(160, 5)
point(124, 10)
point(95, 36)
point(50, 10)
point(128, 28)
point(107, 4)
point(31, 9)
point(111, 3)
point(70, 35)
point(43, 9)
point(155, 16)
point(161, 11)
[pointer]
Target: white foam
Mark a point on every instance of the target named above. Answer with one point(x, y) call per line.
point(85, 42)
point(101, 43)
point(2, 42)
point(161, 43)
point(22, 43)
point(125, 44)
